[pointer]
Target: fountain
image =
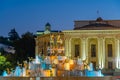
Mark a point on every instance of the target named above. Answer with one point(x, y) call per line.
point(18, 71)
point(48, 66)
point(5, 73)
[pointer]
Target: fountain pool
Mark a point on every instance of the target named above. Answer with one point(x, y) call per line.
point(52, 66)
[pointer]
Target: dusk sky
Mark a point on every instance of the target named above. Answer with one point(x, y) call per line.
point(32, 15)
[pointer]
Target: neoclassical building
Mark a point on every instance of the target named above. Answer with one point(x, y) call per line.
point(97, 40)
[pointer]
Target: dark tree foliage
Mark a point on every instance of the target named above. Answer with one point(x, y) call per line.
point(4, 64)
point(28, 40)
point(4, 40)
point(25, 47)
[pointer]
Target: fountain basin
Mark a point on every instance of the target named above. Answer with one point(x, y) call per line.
point(59, 78)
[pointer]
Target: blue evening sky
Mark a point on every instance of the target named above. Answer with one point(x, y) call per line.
point(32, 15)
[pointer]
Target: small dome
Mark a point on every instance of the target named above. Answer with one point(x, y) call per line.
point(99, 19)
point(47, 24)
point(47, 27)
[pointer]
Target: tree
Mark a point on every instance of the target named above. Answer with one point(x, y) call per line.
point(25, 47)
point(4, 40)
point(4, 64)
point(5, 43)
point(29, 44)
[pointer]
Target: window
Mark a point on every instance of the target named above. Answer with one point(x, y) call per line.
point(110, 65)
point(109, 50)
point(93, 50)
point(77, 50)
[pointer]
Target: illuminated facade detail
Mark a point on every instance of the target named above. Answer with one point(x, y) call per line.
point(49, 42)
point(97, 40)
point(48, 46)
point(100, 45)
point(117, 54)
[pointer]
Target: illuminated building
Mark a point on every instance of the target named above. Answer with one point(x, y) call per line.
point(97, 40)
point(49, 42)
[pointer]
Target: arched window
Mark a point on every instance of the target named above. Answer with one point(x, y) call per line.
point(109, 50)
point(77, 50)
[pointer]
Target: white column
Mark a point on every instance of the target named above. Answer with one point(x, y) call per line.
point(66, 47)
point(69, 52)
point(103, 53)
point(86, 47)
point(117, 56)
point(83, 47)
point(99, 53)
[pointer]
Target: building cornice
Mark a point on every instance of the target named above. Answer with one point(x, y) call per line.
point(92, 31)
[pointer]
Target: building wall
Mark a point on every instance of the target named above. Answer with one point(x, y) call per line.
point(47, 43)
point(81, 42)
point(84, 38)
point(101, 38)
point(42, 43)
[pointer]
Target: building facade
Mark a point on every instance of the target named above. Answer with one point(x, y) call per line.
point(49, 42)
point(97, 40)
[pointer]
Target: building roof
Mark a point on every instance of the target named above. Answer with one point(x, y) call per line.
point(43, 32)
point(98, 24)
